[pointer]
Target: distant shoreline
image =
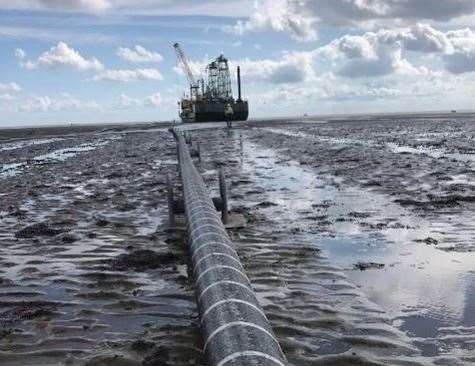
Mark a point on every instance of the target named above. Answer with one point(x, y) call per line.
point(19, 132)
point(23, 132)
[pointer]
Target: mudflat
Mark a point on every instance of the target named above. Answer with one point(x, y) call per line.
point(359, 241)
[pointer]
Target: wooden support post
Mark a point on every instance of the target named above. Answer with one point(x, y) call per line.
point(224, 196)
point(187, 138)
point(171, 214)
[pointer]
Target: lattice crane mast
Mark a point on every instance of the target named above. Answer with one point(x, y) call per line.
point(194, 87)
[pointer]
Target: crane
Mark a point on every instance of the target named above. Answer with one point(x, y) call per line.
point(186, 67)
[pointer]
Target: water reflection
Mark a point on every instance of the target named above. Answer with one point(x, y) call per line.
point(426, 291)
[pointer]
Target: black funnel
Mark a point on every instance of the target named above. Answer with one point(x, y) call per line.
point(239, 82)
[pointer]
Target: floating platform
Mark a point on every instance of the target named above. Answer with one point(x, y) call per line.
point(205, 111)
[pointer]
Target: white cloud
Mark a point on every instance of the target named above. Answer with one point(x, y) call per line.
point(64, 56)
point(349, 46)
point(83, 5)
point(154, 100)
point(139, 54)
point(301, 18)
point(7, 91)
point(292, 67)
point(331, 88)
point(381, 53)
point(129, 75)
point(424, 38)
point(126, 102)
point(146, 7)
point(49, 104)
point(357, 11)
point(53, 35)
point(278, 15)
point(7, 97)
point(9, 87)
point(462, 59)
point(64, 5)
point(20, 54)
point(369, 55)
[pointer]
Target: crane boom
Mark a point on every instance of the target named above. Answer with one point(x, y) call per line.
point(186, 67)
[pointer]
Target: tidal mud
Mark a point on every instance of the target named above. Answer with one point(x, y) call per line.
point(88, 273)
point(341, 184)
point(358, 243)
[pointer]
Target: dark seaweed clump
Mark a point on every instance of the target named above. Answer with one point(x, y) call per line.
point(144, 259)
point(40, 229)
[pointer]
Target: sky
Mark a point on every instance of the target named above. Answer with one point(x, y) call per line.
point(94, 61)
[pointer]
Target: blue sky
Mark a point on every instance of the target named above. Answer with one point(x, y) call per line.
point(112, 60)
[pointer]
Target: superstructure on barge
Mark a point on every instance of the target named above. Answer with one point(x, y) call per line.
point(212, 96)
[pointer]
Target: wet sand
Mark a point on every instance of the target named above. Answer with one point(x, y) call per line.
point(359, 243)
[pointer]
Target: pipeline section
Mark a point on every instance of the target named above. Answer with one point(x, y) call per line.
point(235, 329)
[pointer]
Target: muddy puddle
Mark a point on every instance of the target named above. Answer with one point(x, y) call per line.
point(13, 145)
point(50, 157)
